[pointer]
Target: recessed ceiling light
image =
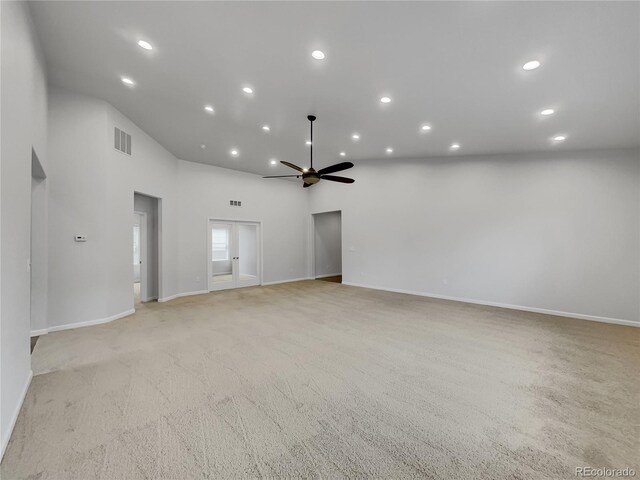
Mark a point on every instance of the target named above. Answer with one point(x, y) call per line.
point(248, 90)
point(128, 81)
point(144, 44)
point(454, 146)
point(355, 136)
point(547, 111)
point(389, 150)
point(531, 65)
point(208, 108)
point(273, 161)
point(308, 142)
point(203, 146)
point(425, 128)
point(266, 128)
point(342, 154)
point(234, 152)
point(559, 138)
point(385, 100)
point(317, 54)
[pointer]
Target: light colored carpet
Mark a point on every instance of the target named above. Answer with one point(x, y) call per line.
point(318, 379)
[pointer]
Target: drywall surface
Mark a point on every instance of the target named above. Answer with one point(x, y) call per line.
point(92, 189)
point(78, 205)
point(24, 127)
point(150, 170)
point(281, 206)
point(557, 231)
point(328, 243)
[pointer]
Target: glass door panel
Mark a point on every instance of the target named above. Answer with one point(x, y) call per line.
point(221, 274)
point(247, 257)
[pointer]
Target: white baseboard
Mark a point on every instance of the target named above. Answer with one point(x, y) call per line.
point(264, 284)
point(39, 332)
point(185, 294)
point(580, 316)
point(89, 323)
point(328, 275)
point(14, 417)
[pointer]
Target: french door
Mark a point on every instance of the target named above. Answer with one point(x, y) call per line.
point(234, 254)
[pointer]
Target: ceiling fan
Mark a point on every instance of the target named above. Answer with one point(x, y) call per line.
point(309, 175)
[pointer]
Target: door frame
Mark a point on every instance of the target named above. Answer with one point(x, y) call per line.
point(312, 242)
point(144, 261)
point(235, 221)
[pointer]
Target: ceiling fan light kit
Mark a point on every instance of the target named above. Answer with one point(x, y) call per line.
point(309, 175)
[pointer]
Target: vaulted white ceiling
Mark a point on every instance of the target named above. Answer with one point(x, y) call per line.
point(456, 66)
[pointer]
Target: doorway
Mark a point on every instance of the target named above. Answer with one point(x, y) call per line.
point(146, 248)
point(38, 258)
point(234, 254)
point(327, 241)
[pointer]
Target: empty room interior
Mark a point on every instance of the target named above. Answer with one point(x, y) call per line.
point(319, 240)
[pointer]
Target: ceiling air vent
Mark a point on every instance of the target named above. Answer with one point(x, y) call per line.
point(121, 141)
point(235, 203)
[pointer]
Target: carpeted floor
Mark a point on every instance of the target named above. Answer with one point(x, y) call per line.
point(318, 379)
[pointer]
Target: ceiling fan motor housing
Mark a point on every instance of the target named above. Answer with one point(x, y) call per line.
point(311, 177)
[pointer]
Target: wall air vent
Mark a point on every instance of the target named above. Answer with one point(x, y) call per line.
point(235, 203)
point(121, 141)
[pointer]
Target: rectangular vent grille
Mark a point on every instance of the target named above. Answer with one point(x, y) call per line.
point(121, 141)
point(235, 203)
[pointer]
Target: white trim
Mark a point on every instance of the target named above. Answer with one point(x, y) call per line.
point(14, 417)
point(39, 332)
point(89, 323)
point(185, 294)
point(277, 282)
point(328, 275)
point(579, 316)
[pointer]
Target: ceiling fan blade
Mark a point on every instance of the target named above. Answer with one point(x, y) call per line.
point(291, 165)
point(281, 176)
point(333, 178)
point(338, 167)
point(306, 185)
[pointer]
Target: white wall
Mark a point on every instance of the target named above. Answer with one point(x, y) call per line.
point(150, 170)
point(327, 243)
point(281, 206)
point(24, 100)
point(557, 231)
point(92, 189)
point(78, 204)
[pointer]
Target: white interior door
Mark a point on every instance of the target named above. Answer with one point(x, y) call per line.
point(247, 266)
point(234, 254)
point(140, 271)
